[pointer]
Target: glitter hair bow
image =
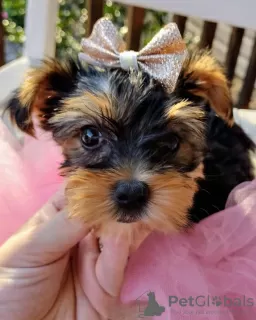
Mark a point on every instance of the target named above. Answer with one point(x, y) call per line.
point(161, 58)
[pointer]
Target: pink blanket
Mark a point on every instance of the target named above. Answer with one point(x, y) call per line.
point(208, 273)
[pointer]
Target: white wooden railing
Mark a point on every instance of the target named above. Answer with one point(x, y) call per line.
point(40, 26)
point(240, 13)
point(41, 21)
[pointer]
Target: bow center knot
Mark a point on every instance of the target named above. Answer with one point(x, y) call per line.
point(128, 59)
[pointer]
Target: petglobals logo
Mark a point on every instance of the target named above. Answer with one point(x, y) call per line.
point(211, 301)
point(152, 308)
point(148, 304)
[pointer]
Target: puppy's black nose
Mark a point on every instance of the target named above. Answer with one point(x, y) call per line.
point(131, 194)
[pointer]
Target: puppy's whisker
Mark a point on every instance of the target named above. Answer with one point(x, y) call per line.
point(207, 213)
point(205, 191)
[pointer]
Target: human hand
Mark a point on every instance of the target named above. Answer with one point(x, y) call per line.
point(52, 269)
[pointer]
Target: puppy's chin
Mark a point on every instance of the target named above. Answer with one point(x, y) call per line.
point(133, 233)
point(130, 217)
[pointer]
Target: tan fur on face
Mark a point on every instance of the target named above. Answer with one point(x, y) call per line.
point(86, 105)
point(187, 121)
point(89, 199)
point(181, 110)
point(210, 83)
point(172, 196)
point(89, 195)
point(184, 112)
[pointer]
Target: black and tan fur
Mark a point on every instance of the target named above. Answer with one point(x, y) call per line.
point(185, 145)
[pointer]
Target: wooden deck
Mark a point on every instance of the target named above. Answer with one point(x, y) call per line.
point(220, 47)
point(236, 87)
point(230, 32)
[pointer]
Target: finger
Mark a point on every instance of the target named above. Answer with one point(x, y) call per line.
point(52, 207)
point(84, 309)
point(60, 234)
point(44, 244)
point(111, 264)
point(87, 258)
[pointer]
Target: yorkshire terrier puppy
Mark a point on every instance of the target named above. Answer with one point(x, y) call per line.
point(136, 157)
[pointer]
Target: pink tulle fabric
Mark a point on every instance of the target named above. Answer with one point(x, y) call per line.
point(214, 262)
point(28, 177)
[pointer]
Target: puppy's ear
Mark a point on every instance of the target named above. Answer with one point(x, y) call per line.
point(202, 77)
point(41, 93)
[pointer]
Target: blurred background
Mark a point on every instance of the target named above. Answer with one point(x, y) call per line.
point(72, 25)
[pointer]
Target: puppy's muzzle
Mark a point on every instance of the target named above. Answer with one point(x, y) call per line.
point(130, 196)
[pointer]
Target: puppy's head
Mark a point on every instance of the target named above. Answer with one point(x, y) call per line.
point(133, 152)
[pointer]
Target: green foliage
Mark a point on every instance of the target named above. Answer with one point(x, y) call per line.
point(71, 24)
point(115, 12)
point(154, 21)
point(13, 19)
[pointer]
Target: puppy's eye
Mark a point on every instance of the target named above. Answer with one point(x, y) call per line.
point(171, 143)
point(91, 137)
